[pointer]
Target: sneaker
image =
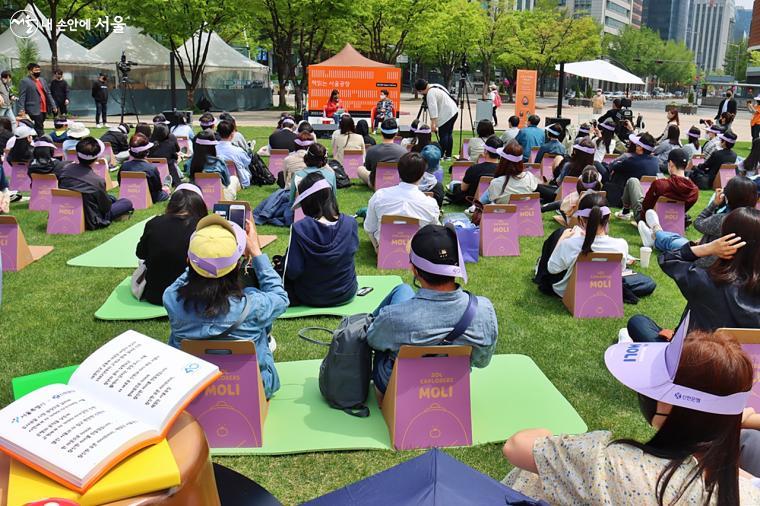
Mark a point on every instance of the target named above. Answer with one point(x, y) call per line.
point(98, 125)
point(272, 343)
point(653, 221)
point(623, 336)
point(624, 214)
point(15, 196)
point(647, 236)
point(106, 125)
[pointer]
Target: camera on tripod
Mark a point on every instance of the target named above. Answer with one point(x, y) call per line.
point(464, 69)
point(625, 105)
point(124, 66)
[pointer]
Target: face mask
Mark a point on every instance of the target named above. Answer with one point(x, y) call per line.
point(36, 74)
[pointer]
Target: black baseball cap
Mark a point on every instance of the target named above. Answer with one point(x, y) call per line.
point(679, 157)
point(437, 244)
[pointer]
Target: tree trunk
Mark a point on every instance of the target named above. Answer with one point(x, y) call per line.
point(281, 77)
point(190, 91)
point(298, 89)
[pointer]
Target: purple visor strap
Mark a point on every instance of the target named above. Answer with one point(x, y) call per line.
point(43, 144)
point(714, 130)
point(726, 139)
point(585, 149)
point(507, 156)
point(589, 186)
point(391, 131)
point(189, 187)
point(585, 213)
point(495, 151)
point(637, 140)
point(208, 124)
point(611, 128)
point(93, 157)
point(214, 265)
point(206, 142)
point(455, 271)
point(303, 144)
point(584, 131)
point(140, 149)
point(318, 186)
point(423, 130)
point(694, 135)
point(552, 131)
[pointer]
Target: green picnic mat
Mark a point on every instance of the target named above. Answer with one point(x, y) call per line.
point(509, 395)
point(117, 252)
point(382, 287)
point(122, 305)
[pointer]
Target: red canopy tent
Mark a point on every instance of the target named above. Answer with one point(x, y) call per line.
point(357, 78)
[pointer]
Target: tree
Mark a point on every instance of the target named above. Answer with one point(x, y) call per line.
point(449, 36)
point(499, 16)
point(55, 11)
point(547, 35)
point(175, 22)
point(383, 26)
point(737, 58)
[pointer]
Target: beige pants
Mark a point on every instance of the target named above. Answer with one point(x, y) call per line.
point(231, 191)
point(363, 174)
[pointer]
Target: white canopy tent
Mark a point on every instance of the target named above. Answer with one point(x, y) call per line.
point(601, 70)
point(219, 53)
point(136, 45)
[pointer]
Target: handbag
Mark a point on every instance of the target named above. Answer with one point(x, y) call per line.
point(477, 214)
point(138, 279)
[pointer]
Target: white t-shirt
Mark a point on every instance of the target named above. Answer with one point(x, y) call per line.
point(524, 183)
point(566, 253)
point(440, 105)
point(402, 200)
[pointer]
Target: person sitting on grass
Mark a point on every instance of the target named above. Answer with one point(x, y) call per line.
point(639, 164)
point(693, 456)
point(692, 146)
point(182, 129)
point(316, 161)
point(477, 145)
point(283, 136)
point(117, 137)
point(362, 128)
point(42, 158)
point(510, 133)
point(346, 138)
point(76, 132)
point(165, 146)
point(666, 145)
point(713, 141)
point(562, 248)
point(487, 168)
point(589, 181)
point(582, 156)
point(21, 151)
point(163, 245)
point(606, 142)
point(319, 264)
point(704, 175)
point(138, 151)
point(552, 146)
point(100, 208)
point(676, 187)
point(531, 136)
point(510, 177)
point(294, 161)
point(238, 139)
point(60, 129)
point(430, 316)
point(739, 192)
point(226, 150)
point(724, 295)
point(387, 151)
point(210, 297)
point(204, 159)
point(207, 121)
point(429, 182)
point(404, 199)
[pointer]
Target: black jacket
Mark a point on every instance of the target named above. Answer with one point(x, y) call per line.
point(704, 175)
point(283, 139)
point(118, 140)
point(46, 166)
point(97, 205)
point(163, 246)
point(712, 306)
point(731, 107)
point(169, 149)
point(100, 91)
point(155, 184)
point(59, 90)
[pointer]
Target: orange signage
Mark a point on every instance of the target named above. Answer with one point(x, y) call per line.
point(359, 87)
point(525, 95)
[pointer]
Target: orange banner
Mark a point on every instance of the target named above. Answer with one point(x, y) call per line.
point(525, 95)
point(359, 87)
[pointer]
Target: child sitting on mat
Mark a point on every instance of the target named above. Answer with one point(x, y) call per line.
point(439, 313)
point(209, 300)
point(319, 263)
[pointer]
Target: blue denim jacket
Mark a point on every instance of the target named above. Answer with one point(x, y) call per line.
point(267, 303)
point(427, 318)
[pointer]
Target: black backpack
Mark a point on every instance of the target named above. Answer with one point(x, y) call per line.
point(346, 371)
point(341, 178)
point(260, 175)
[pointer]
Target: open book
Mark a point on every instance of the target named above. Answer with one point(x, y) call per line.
point(122, 398)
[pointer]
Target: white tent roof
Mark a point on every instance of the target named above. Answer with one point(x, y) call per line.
point(68, 50)
point(137, 46)
point(219, 53)
point(602, 70)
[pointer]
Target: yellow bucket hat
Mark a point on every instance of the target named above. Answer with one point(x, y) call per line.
point(216, 246)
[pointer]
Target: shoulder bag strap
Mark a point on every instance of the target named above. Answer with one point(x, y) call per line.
point(465, 321)
point(234, 326)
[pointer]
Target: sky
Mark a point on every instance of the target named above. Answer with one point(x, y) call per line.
point(745, 3)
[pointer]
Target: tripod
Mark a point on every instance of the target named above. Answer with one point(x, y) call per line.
point(125, 85)
point(463, 95)
point(423, 111)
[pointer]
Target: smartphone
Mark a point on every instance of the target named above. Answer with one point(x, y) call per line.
point(222, 210)
point(364, 291)
point(237, 215)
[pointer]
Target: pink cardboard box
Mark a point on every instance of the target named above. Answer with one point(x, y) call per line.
point(595, 289)
point(41, 186)
point(529, 221)
point(66, 215)
point(499, 231)
point(395, 234)
point(16, 253)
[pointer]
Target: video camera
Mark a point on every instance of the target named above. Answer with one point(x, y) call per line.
point(125, 66)
point(625, 105)
point(464, 68)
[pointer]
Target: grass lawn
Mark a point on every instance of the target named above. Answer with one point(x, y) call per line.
point(47, 322)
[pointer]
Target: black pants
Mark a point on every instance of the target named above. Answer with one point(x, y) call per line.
point(547, 192)
point(63, 109)
point(755, 131)
point(39, 122)
point(101, 111)
point(495, 119)
point(446, 135)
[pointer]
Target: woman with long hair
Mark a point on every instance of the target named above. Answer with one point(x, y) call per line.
point(204, 159)
point(209, 298)
point(666, 145)
point(315, 159)
point(333, 105)
point(606, 142)
point(423, 136)
point(704, 381)
point(510, 176)
point(582, 156)
point(165, 146)
point(724, 295)
point(673, 120)
point(320, 258)
point(163, 245)
point(692, 146)
point(362, 128)
point(590, 180)
point(346, 138)
point(294, 161)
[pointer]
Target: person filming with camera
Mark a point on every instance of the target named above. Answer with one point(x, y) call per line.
point(443, 113)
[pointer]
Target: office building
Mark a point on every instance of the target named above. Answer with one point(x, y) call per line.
point(613, 15)
point(709, 30)
point(754, 29)
point(743, 20)
point(524, 5)
point(637, 14)
point(667, 17)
